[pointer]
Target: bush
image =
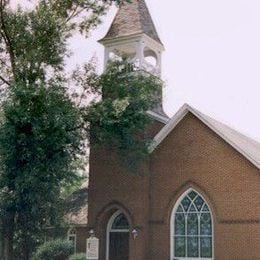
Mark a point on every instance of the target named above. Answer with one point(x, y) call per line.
point(54, 250)
point(81, 256)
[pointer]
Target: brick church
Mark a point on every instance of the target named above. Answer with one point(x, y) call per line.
point(199, 196)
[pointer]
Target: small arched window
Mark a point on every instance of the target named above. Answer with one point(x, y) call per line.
point(72, 237)
point(191, 228)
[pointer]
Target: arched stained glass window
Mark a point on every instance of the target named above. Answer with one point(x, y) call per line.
point(192, 230)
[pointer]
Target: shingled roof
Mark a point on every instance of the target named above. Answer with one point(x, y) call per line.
point(78, 207)
point(132, 18)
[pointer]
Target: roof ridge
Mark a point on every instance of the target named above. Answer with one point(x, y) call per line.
point(234, 129)
point(245, 145)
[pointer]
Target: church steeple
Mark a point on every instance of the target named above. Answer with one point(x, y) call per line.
point(133, 32)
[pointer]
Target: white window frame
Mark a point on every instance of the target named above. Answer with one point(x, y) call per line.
point(109, 230)
point(172, 228)
point(73, 235)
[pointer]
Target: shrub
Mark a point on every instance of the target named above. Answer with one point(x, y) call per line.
point(55, 250)
point(81, 256)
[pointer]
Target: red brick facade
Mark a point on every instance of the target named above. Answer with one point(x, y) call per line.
point(191, 156)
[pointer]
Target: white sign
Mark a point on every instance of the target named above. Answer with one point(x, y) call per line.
point(92, 248)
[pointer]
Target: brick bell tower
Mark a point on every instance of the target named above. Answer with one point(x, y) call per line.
point(133, 33)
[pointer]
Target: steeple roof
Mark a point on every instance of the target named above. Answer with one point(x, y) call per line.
point(133, 18)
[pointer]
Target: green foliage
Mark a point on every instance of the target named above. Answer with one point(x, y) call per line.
point(71, 187)
point(43, 128)
point(120, 118)
point(38, 143)
point(33, 42)
point(80, 256)
point(54, 250)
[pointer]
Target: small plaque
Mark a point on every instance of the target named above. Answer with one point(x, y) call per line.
point(92, 248)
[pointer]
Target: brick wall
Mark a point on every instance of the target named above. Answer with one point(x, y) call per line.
point(191, 156)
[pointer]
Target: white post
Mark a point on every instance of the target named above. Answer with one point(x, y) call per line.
point(159, 62)
point(106, 57)
point(139, 53)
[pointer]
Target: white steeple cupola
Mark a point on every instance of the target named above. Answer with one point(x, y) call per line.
point(133, 33)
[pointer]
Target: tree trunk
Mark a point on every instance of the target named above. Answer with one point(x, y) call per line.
point(8, 236)
point(8, 247)
point(26, 252)
point(1, 243)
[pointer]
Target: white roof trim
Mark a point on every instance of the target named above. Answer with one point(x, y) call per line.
point(173, 122)
point(158, 117)
point(131, 37)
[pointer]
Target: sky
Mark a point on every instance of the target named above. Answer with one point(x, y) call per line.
point(211, 59)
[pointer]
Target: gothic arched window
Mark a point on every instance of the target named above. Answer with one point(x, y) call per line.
point(191, 228)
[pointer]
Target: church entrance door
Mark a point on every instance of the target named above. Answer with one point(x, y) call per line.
point(118, 237)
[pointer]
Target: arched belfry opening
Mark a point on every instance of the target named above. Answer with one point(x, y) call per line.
point(141, 51)
point(151, 57)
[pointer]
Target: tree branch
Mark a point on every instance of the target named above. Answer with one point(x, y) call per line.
point(4, 63)
point(6, 37)
point(4, 80)
point(72, 13)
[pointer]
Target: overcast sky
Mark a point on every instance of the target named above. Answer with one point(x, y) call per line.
point(211, 61)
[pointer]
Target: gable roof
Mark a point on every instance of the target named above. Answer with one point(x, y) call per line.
point(77, 203)
point(132, 18)
point(248, 147)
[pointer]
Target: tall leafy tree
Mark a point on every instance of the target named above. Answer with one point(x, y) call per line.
point(43, 124)
point(40, 133)
point(37, 149)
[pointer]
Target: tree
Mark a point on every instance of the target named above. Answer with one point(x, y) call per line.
point(37, 150)
point(43, 125)
point(39, 140)
point(119, 120)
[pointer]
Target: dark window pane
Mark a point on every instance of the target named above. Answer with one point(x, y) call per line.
point(186, 203)
point(179, 224)
point(199, 202)
point(205, 224)
point(179, 245)
point(192, 195)
point(72, 239)
point(120, 222)
point(179, 209)
point(206, 247)
point(192, 222)
point(205, 208)
point(193, 247)
point(192, 208)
